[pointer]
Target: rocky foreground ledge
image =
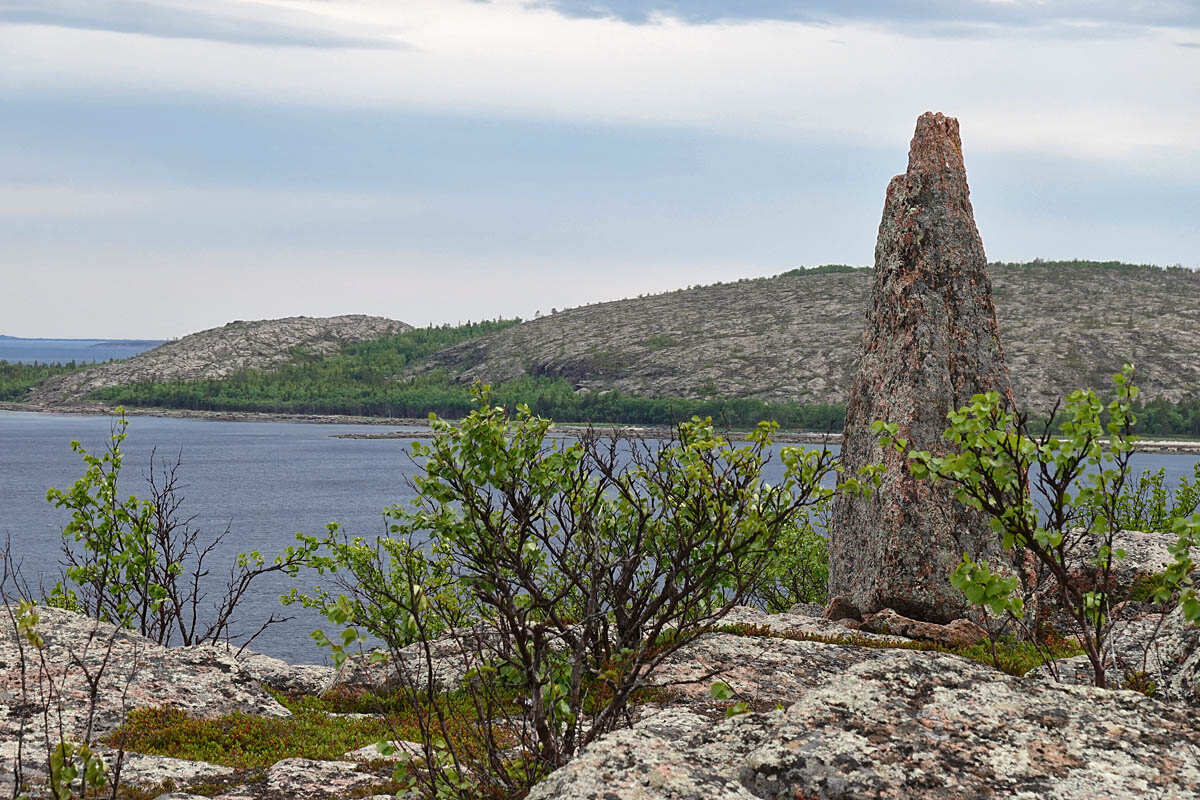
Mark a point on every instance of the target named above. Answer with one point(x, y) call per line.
point(853, 719)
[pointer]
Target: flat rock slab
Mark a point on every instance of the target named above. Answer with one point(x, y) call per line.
point(309, 779)
point(450, 657)
point(133, 672)
point(403, 751)
point(790, 624)
point(293, 679)
point(902, 725)
point(763, 671)
point(140, 769)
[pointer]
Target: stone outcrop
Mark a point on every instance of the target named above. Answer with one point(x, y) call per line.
point(1165, 650)
point(1147, 554)
point(87, 675)
point(274, 673)
point(130, 671)
point(219, 353)
point(931, 343)
point(844, 718)
point(956, 633)
point(901, 724)
point(312, 780)
point(450, 658)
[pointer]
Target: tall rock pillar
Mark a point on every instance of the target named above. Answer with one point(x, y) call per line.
point(931, 343)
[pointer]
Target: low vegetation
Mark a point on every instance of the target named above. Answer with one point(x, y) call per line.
point(247, 740)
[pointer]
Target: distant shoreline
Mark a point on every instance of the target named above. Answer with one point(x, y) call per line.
point(566, 429)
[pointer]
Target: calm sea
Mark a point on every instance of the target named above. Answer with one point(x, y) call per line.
point(265, 480)
point(62, 351)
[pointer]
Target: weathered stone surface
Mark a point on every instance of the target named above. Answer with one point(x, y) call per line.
point(900, 725)
point(801, 625)
point(294, 679)
point(931, 343)
point(130, 672)
point(137, 770)
point(807, 609)
point(308, 779)
point(141, 770)
point(403, 751)
point(1146, 554)
point(841, 607)
point(763, 671)
point(451, 657)
point(1166, 649)
point(956, 633)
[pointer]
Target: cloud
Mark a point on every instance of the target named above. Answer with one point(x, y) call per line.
point(947, 17)
point(217, 21)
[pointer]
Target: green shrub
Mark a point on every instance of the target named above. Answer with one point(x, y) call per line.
point(1081, 469)
point(139, 564)
point(581, 566)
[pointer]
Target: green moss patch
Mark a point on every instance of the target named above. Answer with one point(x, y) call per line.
point(245, 740)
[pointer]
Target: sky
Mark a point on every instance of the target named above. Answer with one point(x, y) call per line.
point(171, 165)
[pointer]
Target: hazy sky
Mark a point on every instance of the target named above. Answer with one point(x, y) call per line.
point(170, 165)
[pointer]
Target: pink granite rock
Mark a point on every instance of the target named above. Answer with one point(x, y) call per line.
point(931, 343)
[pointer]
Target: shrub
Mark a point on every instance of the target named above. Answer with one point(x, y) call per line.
point(581, 566)
point(139, 563)
point(1147, 505)
point(1082, 478)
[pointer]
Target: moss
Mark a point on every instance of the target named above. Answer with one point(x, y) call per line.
point(245, 740)
point(1145, 587)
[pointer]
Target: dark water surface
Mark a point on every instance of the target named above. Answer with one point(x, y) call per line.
point(266, 480)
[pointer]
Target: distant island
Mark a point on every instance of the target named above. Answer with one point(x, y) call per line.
point(30, 350)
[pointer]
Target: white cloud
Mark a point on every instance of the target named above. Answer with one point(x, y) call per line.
point(232, 21)
point(131, 201)
point(935, 16)
point(1100, 99)
point(1091, 121)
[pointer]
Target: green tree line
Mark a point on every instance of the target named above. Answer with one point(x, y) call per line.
point(17, 378)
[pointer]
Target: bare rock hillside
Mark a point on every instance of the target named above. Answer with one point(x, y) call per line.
point(796, 336)
point(220, 352)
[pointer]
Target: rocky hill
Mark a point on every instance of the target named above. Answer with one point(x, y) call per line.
point(220, 352)
point(796, 336)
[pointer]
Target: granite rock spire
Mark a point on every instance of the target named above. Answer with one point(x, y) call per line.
point(931, 343)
